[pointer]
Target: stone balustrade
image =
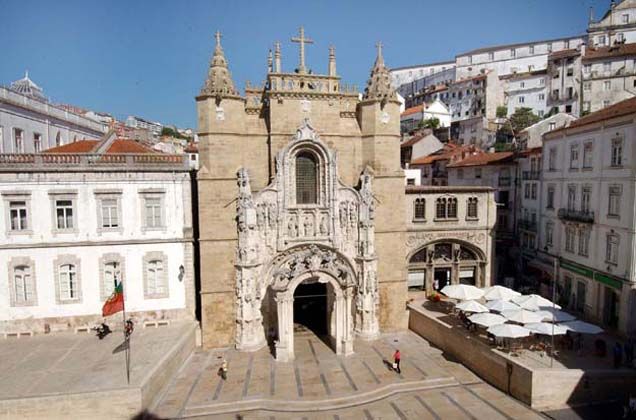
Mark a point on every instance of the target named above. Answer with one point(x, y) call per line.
point(89, 161)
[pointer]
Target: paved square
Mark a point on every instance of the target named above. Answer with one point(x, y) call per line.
point(319, 384)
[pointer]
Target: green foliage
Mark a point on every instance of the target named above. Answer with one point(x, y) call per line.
point(432, 123)
point(502, 111)
point(168, 131)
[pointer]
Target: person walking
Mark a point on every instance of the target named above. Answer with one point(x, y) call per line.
point(396, 361)
point(223, 369)
point(618, 355)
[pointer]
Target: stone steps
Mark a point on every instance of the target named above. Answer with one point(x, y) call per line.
point(317, 405)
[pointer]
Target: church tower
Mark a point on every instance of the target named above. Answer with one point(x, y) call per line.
point(301, 207)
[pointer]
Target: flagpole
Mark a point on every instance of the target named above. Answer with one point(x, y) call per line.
point(126, 336)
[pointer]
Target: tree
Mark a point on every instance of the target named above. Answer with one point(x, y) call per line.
point(432, 123)
point(520, 120)
point(502, 111)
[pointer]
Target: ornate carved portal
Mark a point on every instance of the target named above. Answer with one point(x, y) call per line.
point(288, 236)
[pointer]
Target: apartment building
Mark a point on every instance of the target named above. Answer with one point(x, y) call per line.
point(587, 215)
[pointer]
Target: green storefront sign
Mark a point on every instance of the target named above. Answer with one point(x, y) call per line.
point(591, 274)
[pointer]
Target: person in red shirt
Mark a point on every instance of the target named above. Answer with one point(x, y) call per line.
point(396, 361)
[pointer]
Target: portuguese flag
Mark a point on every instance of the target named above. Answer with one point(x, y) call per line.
point(115, 302)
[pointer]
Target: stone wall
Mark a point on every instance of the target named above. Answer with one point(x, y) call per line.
point(541, 388)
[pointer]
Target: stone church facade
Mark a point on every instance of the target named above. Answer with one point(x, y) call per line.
point(300, 187)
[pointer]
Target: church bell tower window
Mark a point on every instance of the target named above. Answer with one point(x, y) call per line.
point(306, 179)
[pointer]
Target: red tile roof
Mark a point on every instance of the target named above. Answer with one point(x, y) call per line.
point(620, 50)
point(573, 52)
point(413, 110)
point(89, 146)
point(129, 146)
point(483, 159)
point(626, 107)
point(450, 151)
point(81, 146)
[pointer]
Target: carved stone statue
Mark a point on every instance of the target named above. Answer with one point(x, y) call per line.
point(308, 225)
point(292, 226)
point(324, 226)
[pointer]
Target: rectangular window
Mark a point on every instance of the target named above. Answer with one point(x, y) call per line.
point(571, 197)
point(460, 173)
point(624, 18)
point(522, 99)
point(110, 212)
point(552, 159)
point(18, 140)
point(531, 49)
point(584, 242)
point(606, 103)
point(586, 197)
point(533, 191)
point(526, 191)
point(614, 201)
point(607, 85)
point(68, 282)
point(600, 40)
point(570, 238)
point(549, 230)
point(574, 156)
point(587, 86)
point(607, 66)
point(570, 71)
point(588, 149)
point(542, 96)
point(18, 215)
point(513, 53)
point(419, 209)
point(152, 206)
point(550, 198)
point(64, 214)
point(22, 285)
point(491, 56)
point(587, 68)
point(611, 249)
point(37, 142)
point(587, 106)
point(478, 173)
point(617, 153)
point(471, 208)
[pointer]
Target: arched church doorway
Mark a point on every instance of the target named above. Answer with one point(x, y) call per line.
point(310, 308)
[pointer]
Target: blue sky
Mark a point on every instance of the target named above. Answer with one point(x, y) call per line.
point(149, 58)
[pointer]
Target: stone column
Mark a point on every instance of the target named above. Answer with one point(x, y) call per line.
point(285, 343)
point(340, 323)
point(347, 338)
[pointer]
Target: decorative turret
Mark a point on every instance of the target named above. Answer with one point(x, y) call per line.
point(277, 66)
point(219, 82)
point(379, 84)
point(332, 61)
point(26, 87)
point(270, 61)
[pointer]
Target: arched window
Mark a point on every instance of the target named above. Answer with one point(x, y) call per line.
point(58, 139)
point(306, 179)
point(440, 211)
point(419, 212)
point(471, 208)
point(451, 209)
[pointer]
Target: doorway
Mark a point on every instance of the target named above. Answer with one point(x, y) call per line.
point(610, 308)
point(441, 278)
point(310, 308)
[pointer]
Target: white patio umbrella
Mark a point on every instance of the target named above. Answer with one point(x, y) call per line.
point(545, 328)
point(487, 319)
point(533, 302)
point(471, 306)
point(501, 305)
point(555, 315)
point(521, 316)
point(582, 327)
point(462, 292)
point(500, 293)
point(508, 331)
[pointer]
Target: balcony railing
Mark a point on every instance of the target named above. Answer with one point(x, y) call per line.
point(77, 161)
point(528, 225)
point(582, 216)
point(531, 175)
point(504, 181)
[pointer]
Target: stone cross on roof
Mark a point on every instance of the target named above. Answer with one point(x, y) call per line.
point(217, 36)
point(302, 41)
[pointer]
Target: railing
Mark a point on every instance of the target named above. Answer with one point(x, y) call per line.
point(582, 216)
point(531, 175)
point(30, 161)
point(528, 225)
point(504, 181)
